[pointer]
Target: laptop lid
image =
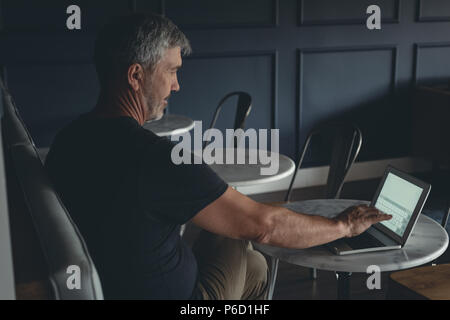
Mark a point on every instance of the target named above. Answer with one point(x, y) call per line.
point(402, 196)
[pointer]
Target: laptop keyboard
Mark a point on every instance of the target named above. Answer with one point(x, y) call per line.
point(363, 241)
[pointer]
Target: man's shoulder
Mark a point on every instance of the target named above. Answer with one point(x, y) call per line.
point(91, 135)
point(114, 129)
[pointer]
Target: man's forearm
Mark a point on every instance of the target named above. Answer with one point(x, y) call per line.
point(236, 216)
point(296, 230)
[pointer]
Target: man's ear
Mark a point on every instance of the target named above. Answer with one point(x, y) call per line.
point(135, 76)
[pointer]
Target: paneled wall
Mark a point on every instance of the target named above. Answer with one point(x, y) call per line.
point(303, 61)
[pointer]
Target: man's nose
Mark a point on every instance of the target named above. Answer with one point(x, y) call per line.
point(175, 85)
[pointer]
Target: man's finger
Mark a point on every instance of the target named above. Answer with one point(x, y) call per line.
point(373, 211)
point(382, 216)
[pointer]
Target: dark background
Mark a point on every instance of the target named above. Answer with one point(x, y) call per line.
point(302, 61)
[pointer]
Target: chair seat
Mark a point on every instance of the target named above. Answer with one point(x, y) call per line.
point(430, 282)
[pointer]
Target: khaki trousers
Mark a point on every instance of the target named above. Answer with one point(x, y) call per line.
point(229, 269)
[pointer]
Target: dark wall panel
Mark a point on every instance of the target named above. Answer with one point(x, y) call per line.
point(50, 15)
point(348, 84)
point(434, 10)
point(344, 12)
point(50, 96)
point(145, 6)
point(432, 64)
point(230, 13)
point(199, 96)
point(335, 82)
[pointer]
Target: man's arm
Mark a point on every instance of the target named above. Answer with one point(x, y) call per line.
point(237, 216)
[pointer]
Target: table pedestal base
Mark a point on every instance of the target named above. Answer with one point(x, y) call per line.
point(343, 288)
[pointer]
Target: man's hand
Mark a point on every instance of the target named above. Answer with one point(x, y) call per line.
point(358, 219)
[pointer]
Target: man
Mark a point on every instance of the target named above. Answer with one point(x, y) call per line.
point(129, 199)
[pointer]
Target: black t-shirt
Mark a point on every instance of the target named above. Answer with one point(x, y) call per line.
point(128, 199)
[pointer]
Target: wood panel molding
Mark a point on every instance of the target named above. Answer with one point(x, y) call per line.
point(273, 54)
point(421, 18)
point(417, 61)
point(302, 21)
point(301, 52)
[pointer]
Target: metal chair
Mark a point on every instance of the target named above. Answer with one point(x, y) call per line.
point(244, 106)
point(347, 141)
point(346, 144)
point(32, 197)
point(446, 215)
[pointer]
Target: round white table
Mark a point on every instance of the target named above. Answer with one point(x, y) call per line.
point(247, 174)
point(427, 242)
point(170, 125)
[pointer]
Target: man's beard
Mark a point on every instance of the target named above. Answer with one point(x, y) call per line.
point(155, 110)
point(159, 116)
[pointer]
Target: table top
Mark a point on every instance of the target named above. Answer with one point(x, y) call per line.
point(240, 175)
point(426, 243)
point(170, 125)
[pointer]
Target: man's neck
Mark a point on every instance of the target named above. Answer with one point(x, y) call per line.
point(121, 103)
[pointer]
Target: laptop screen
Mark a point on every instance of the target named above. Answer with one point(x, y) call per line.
point(399, 198)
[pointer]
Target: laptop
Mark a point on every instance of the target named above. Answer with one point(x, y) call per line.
point(400, 195)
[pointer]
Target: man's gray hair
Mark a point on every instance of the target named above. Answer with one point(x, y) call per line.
point(137, 38)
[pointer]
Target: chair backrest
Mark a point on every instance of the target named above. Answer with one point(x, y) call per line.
point(60, 240)
point(446, 215)
point(346, 144)
point(244, 106)
point(7, 281)
point(16, 132)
